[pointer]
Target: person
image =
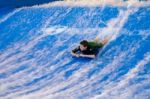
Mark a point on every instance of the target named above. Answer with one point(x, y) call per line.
point(88, 49)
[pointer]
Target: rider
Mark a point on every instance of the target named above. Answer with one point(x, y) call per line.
point(88, 48)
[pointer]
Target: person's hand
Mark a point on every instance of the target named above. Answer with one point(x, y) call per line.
point(82, 55)
point(76, 55)
point(89, 56)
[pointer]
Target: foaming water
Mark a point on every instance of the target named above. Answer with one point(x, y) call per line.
point(121, 86)
point(39, 65)
point(9, 15)
point(93, 3)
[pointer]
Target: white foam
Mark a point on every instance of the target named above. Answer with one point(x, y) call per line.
point(117, 87)
point(115, 25)
point(93, 3)
point(6, 17)
point(58, 81)
point(54, 30)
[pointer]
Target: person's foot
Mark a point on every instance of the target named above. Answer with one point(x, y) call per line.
point(96, 39)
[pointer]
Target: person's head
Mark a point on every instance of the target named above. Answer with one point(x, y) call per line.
point(83, 45)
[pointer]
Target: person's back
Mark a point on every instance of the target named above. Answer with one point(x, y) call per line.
point(93, 44)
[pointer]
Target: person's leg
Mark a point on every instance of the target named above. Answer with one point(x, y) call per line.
point(96, 40)
point(105, 41)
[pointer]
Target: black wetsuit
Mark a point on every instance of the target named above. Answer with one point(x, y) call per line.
point(92, 49)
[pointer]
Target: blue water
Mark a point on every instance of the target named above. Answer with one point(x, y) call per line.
point(35, 59)
point(21, 3)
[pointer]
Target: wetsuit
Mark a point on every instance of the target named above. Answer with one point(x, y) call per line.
point(92, 49)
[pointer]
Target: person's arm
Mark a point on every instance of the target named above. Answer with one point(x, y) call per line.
point(74, 52)
point(92, 54)
point(88, 56)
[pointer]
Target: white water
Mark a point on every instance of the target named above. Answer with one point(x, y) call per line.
point(58, 81)
point(6, 17)
point(94, 3)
